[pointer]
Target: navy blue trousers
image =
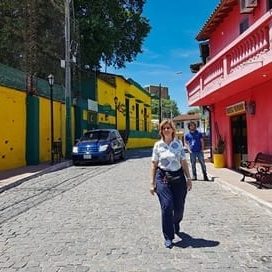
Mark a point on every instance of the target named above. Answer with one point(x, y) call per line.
point(172, 200)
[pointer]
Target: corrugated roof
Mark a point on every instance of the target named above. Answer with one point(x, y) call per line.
point(218, 15)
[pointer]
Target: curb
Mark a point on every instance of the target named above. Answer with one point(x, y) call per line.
point(49, 169)
point(235, 189)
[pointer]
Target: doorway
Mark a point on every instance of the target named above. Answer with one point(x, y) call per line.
point(137, 117)
point(239, 139)
point(92, 120)
point(127, 115)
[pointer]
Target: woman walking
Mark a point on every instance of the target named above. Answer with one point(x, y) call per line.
point(168, 171)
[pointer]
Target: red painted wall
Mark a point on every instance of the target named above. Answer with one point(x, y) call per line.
point(229, 29)
point(226, 32)
point(259, 126)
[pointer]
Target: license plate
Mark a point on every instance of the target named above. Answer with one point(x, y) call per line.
point(87, 157)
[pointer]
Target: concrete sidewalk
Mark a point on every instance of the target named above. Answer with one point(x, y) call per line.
point(14, 177)
point(228, 178)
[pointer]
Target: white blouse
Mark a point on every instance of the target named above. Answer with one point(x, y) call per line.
point(168, 156)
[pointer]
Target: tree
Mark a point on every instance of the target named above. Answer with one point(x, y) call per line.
point(11, 32)
point(194, 110)
point(32, 33)
point(169, 108)
point(111, 31)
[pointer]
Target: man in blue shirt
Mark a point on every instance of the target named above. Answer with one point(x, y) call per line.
point(195, 144)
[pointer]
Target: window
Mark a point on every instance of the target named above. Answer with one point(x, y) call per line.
point(95, 135)
point(204, 51)
point(269, 4)
point(244, 25)
point(113, 136)
point(247, 6)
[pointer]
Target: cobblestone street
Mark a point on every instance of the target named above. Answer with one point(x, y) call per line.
point(102, 218)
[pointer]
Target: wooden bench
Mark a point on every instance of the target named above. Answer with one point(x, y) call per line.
point(260, 169)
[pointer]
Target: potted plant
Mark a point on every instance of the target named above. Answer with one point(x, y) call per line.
point(220, 146)
point(218, 153)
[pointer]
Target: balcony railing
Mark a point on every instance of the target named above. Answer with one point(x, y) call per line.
point(250, 46)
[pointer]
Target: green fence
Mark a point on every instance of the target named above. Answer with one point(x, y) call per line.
point(14, 78)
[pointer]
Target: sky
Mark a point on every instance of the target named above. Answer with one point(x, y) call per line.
point(170, 46)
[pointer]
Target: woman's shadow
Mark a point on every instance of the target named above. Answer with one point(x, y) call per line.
point(189, 241)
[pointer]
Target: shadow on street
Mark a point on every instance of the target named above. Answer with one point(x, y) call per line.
point(138, 153)
point(189, 241)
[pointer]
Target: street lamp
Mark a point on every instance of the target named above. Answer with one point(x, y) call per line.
point(116, 102)
point(51, 83)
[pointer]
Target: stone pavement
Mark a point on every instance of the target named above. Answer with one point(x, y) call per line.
point(102, 218)
point(229, 178)
point(14, 177)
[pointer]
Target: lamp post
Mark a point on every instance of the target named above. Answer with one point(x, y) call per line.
point(116, 102)
point(51, 83)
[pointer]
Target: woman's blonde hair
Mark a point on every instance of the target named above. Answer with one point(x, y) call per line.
point(171, 124)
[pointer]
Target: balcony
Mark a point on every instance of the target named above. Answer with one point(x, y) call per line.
point(244, 63)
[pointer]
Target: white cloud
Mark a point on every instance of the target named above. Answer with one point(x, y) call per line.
point(149, 65)
point(184, 53)
point(150, 54)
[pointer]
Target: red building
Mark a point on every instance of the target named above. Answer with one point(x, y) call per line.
point(234, 80)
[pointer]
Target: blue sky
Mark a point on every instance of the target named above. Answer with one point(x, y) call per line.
point(170, 46)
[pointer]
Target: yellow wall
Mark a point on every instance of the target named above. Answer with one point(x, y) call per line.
point(13, 120)
point(59, 127)
point(45, 134)
point(63, 128)
point(12, 128)
point(105, 96)
point(140, 95)
point(140, 142)
point(58, 136)
point(121, 87)
point(73, 124)
point(45, 127)
point(126, 90)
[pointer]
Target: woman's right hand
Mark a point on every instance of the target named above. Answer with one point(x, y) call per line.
point(152, 190)
point(189, 184)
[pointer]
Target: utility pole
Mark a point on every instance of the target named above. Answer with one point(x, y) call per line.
point(171, 111)
point(68, 80)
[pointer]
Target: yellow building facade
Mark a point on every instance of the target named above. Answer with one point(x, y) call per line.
point(12, 129)
point(18, 147)
point(25, 131)
point(125, 105)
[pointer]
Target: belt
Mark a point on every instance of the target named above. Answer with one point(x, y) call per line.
point(172, 176)
point(164, 170)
